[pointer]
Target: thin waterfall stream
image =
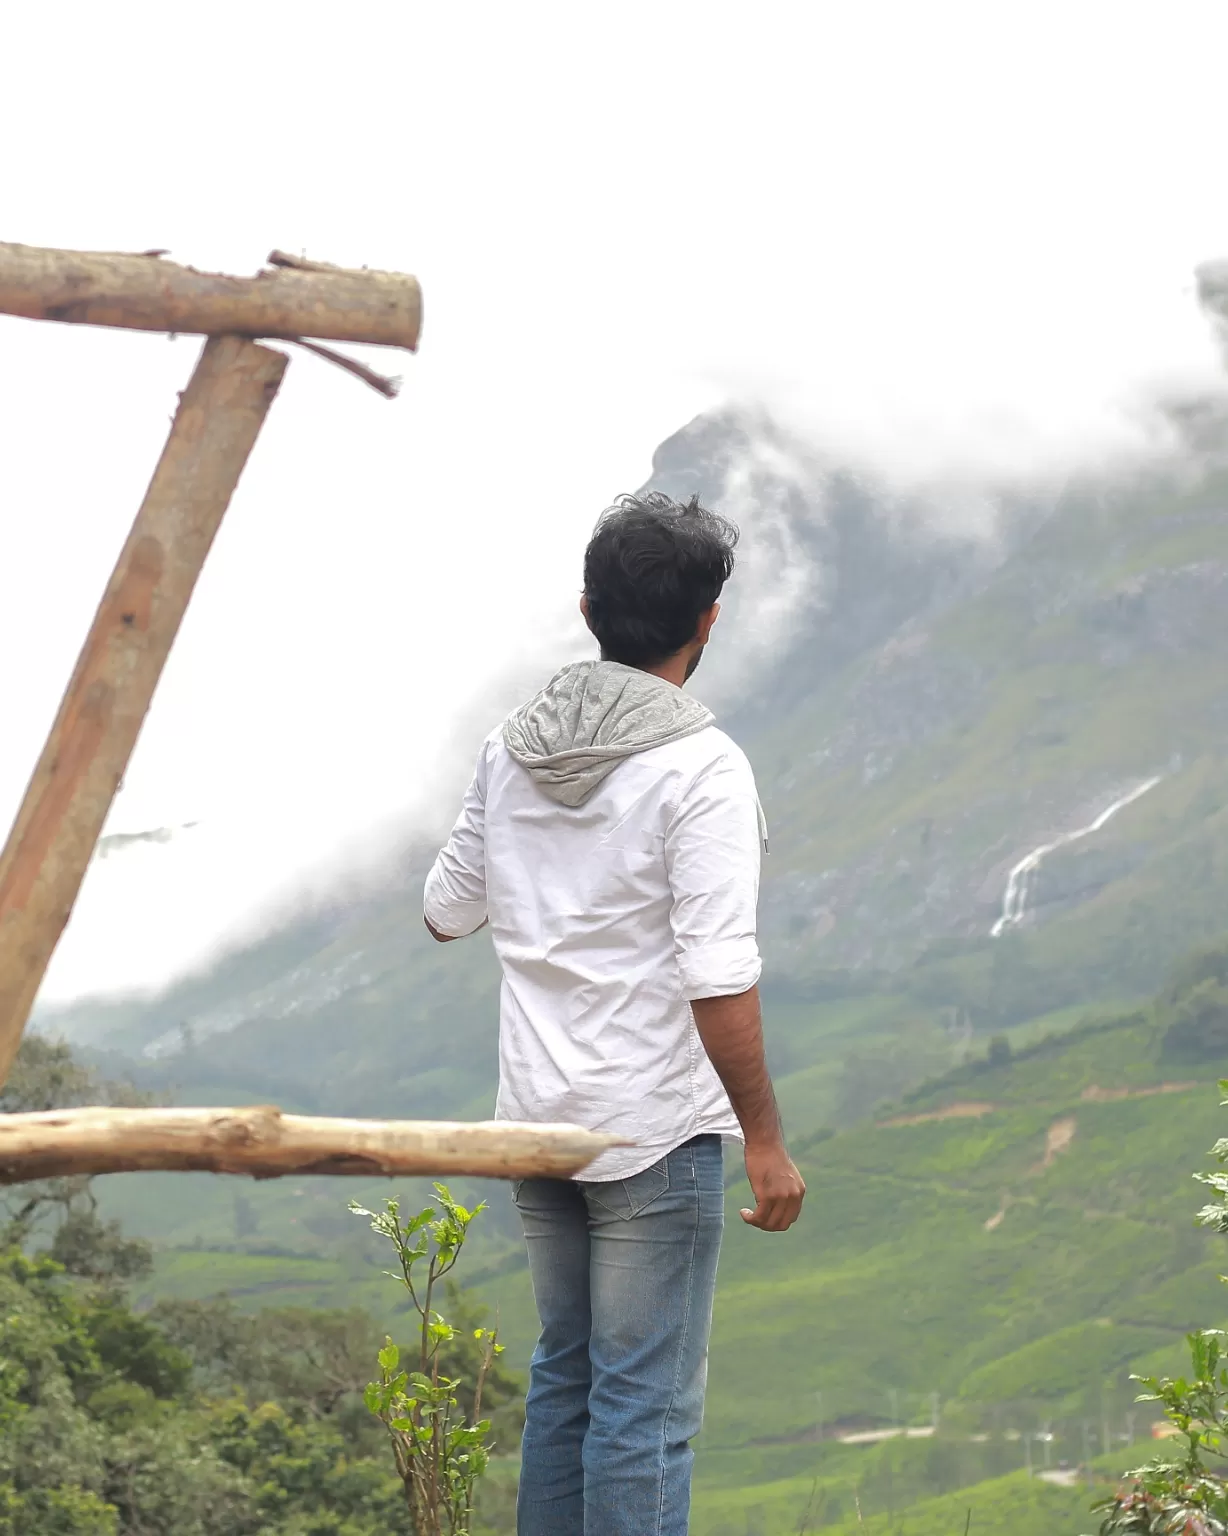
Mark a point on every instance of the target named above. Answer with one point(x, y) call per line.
point(1020, 880)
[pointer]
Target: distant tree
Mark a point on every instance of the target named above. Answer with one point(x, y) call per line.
point(63, 1213)
point(1197, 1017)
point(317, 1358)
point(192, 1419)
point(1208, 963)
point(867, 1081)
point(999, 1052)
point(247, 1220)
point(104, 1432)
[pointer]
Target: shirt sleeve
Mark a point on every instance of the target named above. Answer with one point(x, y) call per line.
point(712, 862)
point(454, 902)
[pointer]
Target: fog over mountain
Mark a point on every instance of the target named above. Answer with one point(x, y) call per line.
point(827, 553)
point(931, 683)
point(836, 559)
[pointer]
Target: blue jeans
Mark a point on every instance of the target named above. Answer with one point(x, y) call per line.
point(623, 1275)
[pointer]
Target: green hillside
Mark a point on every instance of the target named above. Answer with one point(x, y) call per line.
point(993, 1254)
point(1004, 1270)
point(939, 709)
point(1015, 1503)
point(1001, 1246)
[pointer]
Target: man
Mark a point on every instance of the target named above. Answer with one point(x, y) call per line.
point(611, 838)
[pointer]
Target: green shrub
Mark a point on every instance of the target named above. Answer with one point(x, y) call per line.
point(441, 1447)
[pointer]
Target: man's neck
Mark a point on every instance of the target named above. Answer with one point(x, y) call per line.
point(672, 669)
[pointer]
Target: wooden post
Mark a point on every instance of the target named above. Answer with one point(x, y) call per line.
point(262, 1142)
point(57, 828)
point(289, 299)
point(51, 843)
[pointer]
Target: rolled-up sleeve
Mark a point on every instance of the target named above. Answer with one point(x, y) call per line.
point(454, 902)
point(712, 854)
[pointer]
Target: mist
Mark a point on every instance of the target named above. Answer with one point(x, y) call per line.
point(921, 246)
point(156, 907)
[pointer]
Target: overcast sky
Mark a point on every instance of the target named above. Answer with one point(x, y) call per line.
point(935, 236)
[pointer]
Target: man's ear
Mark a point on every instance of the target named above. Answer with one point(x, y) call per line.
point(584, 611)
point(706, 621)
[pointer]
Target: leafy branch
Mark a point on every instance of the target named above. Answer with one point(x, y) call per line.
point(1185, 1495)
point(440, 1452)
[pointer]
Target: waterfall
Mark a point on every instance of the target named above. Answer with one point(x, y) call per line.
point(1019, 882)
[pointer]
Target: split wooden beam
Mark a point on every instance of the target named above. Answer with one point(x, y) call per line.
point(61, 818)
point(219, 416)
point(265, 1144)
point(289, 299)
point(58, 825)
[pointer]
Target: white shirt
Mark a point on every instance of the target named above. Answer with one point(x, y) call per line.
point(608, 919)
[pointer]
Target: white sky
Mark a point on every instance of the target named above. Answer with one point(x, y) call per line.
point(940, 234)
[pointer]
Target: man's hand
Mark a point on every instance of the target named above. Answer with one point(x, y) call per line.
point(777, 1187)
point(731, 1029)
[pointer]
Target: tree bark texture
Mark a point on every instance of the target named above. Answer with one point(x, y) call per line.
point(290, 299)
point(56, 830)
point(262, 1142)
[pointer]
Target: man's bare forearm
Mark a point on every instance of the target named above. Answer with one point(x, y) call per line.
point(731, 1029)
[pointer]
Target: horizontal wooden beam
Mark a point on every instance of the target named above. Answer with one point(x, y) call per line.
point(265, 1144)
point(290, 298)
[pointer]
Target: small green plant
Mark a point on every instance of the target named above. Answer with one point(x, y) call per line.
point(1185, 1495)
point(1182, 1495)
point(440, 1451)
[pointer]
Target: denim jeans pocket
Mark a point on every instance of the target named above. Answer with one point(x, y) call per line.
point(626, 1198)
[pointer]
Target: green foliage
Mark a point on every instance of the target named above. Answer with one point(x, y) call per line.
point(1215, 1214)
point(440, 1452)
point(67, 1511)
point(1187, 1493)
point(1209, 962)
point(45, 1075)
point(1198, 1030)
point(313, 1357)
point(936, 1250)
point(186, 1420)
point(895, 1283)
point(135, 1348)
point(103, 1433)
point(92, 1248)
point(1183, 1495)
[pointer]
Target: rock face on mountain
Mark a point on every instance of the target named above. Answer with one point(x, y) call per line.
point(943, 699)
point(1088, 662)
point(927, 698)
point(831, 566)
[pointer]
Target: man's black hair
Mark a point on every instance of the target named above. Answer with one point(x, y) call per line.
point(651, 568)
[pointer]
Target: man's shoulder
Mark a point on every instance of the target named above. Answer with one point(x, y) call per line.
point(688, 760)
point(707, 749)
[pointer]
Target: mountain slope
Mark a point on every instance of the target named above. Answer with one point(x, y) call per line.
point(997, 1264)
point(923, 708)
point(994, 1254)
point(924, 711)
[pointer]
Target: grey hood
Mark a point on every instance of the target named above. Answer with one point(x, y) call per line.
point(591, 716)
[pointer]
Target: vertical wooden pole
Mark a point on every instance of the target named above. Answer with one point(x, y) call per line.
point(44, 862)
